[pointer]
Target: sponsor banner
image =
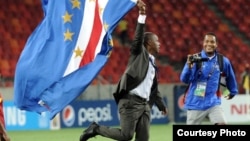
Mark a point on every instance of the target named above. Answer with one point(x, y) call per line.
point(237, 109)
point(16, 119)
point(82, 113)
point(180, 114)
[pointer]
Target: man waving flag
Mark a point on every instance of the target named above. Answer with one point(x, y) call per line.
point(65, 52)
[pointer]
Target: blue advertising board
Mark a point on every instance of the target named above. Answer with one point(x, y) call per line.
point(16, 119)
point(82, 113)
point(180, 114)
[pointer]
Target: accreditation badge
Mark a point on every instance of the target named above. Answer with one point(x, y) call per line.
point(200, 89)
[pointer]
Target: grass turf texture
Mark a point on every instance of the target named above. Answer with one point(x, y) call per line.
point(157, 133)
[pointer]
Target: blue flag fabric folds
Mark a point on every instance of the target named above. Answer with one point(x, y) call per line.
point(66, 52)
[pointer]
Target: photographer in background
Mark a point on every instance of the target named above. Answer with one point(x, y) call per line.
point(245, 79)
point(203, 98)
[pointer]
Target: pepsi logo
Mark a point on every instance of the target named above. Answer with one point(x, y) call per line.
point(68, 115)
point(181, 101)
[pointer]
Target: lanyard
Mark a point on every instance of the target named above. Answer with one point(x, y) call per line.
point(210, 73)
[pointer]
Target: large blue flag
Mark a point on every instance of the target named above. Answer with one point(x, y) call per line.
point(65, 52)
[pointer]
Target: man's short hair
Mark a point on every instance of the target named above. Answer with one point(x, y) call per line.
point(211, 33)
point(147, 37)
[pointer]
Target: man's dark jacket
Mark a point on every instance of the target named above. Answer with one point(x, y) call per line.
point(136, 71)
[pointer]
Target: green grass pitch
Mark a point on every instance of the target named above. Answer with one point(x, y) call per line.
point(161, 132)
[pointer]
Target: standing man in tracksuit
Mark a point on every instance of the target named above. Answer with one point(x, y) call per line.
point(203, 99)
